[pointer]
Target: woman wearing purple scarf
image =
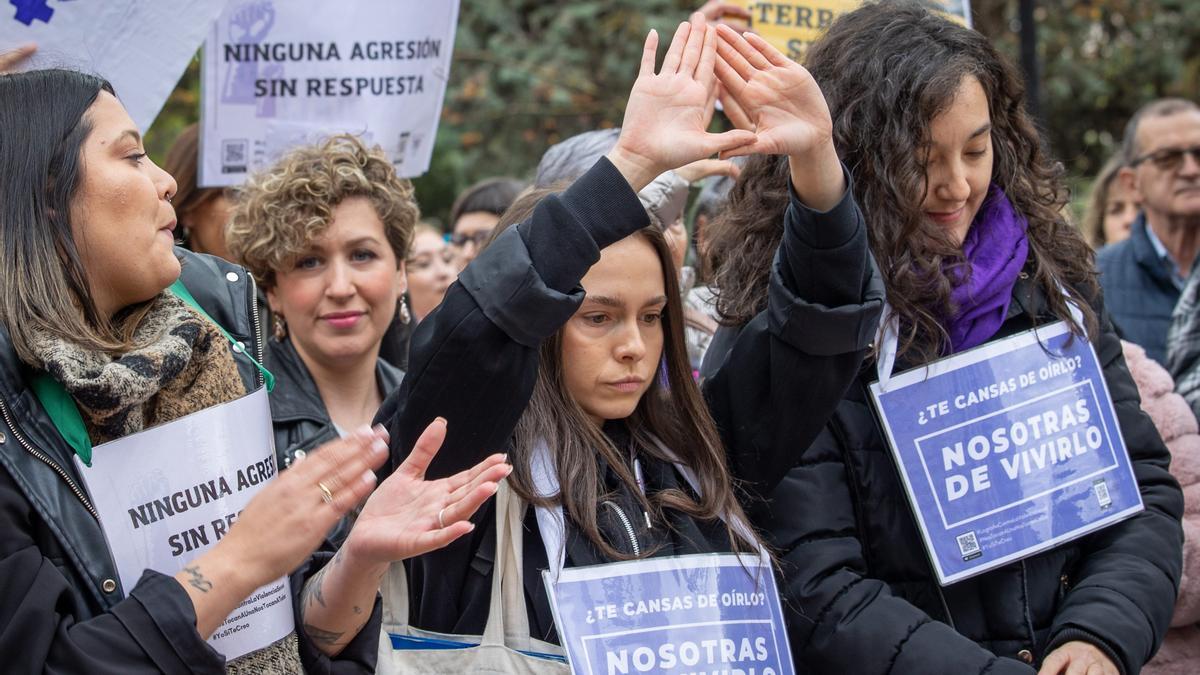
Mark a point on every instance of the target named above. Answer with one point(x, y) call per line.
point(964, 215)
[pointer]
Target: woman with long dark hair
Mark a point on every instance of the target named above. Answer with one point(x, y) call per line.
point(563, 343)
point(965, 216)
point(98, 343)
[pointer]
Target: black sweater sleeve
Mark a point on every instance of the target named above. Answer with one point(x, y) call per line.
point(473, 360)
point(787, 369)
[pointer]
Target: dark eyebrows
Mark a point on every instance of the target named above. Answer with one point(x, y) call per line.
point(981, 131)
point(617, 304)
point(360, 241)
point(603, 300)
point(132, 133)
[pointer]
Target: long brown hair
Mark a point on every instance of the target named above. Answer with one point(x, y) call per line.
point(44, 289)
point(886, 71)
point(672, 412)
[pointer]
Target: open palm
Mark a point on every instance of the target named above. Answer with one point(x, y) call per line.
point(777, 95)
point(667, 115)
point(407, 515)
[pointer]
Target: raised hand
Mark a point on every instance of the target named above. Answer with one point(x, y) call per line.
point(9, 60)
point(408, 515)
point(777, 95)
point(788, 113)
point(718, 11)
point(666, 119)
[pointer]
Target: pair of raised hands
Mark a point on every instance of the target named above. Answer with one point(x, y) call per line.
point(779, 108)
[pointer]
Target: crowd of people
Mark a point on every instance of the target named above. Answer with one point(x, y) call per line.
point(600, 349)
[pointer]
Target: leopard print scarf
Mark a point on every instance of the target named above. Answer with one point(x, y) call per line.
point(182, 364)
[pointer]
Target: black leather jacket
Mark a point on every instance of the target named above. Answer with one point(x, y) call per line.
point(62, 606)
point(298, 414)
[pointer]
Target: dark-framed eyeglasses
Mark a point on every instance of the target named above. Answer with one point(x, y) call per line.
point(479, 238)
point(1168, 159)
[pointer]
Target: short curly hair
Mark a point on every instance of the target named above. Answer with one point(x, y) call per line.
point(280, 210)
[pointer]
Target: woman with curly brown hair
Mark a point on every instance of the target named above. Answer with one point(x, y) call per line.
point(325, 232)
point(964, 215)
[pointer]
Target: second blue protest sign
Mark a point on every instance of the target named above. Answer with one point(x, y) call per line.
point(1008, 449)
point(695, 613)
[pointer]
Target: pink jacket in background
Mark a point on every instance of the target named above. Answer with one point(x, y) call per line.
point(1180, 652)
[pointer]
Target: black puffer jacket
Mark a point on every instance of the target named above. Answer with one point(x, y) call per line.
point(861, 596)
point(62, 607)
point(474, 361)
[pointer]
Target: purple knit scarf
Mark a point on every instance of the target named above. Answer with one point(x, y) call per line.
point(995, 250)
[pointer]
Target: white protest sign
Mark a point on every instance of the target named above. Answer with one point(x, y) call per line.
point(140, 47)
point(167, 494)
point(278, 73)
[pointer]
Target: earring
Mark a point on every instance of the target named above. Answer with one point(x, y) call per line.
point(279, 327)
point(405, 315)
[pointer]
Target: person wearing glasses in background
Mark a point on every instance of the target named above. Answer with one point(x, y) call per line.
point(1143, 276)
point(475, 213)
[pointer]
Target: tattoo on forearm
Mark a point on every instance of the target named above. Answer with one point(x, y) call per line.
point(320, 636)
point(313, 589)
point(197, 580)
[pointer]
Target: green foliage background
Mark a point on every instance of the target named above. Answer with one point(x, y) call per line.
point(528, 73)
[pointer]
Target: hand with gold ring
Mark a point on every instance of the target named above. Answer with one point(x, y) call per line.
point(409, 515)
point(302, 503)
point(405, 517)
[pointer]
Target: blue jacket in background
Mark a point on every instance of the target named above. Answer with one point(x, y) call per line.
point(1138, 290)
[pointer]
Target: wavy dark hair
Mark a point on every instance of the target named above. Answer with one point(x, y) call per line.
point(887, 70)
point(672, 411)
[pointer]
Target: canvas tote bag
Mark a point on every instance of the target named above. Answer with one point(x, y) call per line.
point(504, 647)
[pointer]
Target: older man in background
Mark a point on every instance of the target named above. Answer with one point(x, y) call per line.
point(1143, 276)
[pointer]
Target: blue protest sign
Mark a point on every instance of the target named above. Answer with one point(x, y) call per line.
point(698, 613)
point(1008, 449)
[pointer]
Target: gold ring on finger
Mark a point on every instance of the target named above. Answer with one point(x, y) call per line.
point(325, 493)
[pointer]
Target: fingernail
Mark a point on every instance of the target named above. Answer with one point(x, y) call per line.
point(364, 432)
point(504, 457)
point(442, 420)
point(368, 477)
point(379, 447)
point(381, 431)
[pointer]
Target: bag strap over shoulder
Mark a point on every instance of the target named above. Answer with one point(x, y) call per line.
point(508, 619)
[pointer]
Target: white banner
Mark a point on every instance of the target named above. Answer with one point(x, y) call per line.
point(141, 47)
point(279, 74)
point(169, 493)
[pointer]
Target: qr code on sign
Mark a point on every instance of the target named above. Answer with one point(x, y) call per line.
point(1101, 489)
point(968, 546)
point(234, 155)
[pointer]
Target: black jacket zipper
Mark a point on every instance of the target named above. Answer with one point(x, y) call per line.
point(46, 460)
point(628, 524)
point(259, 338)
